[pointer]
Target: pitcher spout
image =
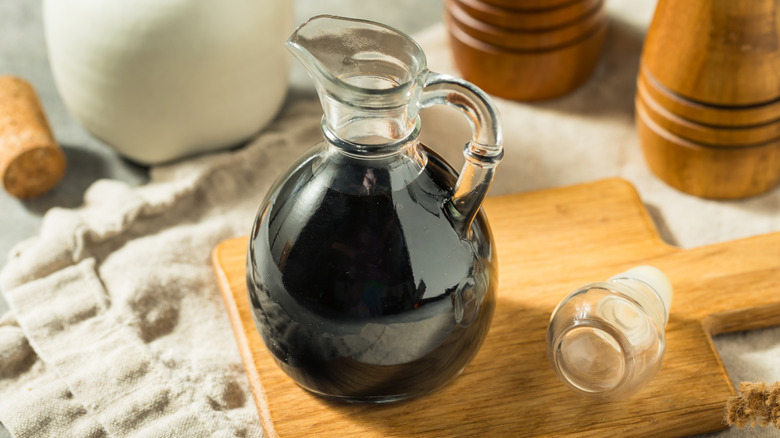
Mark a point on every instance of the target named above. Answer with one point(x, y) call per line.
point(366, 75)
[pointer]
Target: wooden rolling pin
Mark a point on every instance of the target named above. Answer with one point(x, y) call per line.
point(31, 162)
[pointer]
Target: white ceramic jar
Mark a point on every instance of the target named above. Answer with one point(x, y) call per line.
point(160, 80)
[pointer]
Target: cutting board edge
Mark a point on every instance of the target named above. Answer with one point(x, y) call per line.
point(243, 343)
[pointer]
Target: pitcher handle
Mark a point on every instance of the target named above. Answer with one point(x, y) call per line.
point(482, 153)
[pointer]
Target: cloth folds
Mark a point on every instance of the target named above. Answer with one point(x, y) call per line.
point(116, 325)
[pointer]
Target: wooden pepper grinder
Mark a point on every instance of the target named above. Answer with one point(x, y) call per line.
point(708, 96)
point(526, 49)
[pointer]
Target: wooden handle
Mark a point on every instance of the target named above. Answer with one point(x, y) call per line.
point(31, 162)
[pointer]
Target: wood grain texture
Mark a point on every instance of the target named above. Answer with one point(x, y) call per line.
point(522, 75)
point(728, 136)
point(528, 20)
point(548, 243)
point(720, 52)
point(721, 116)
point(531, 5)
point(516, 39)
point(704, 170)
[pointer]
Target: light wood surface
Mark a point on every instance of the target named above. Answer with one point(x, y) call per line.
point(717, 52)
point(548, 243)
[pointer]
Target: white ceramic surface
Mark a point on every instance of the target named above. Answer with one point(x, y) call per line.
point(160, 80)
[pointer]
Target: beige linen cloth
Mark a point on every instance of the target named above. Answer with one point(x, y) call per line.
point(117, 327)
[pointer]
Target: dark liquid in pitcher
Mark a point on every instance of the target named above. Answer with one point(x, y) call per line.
point(354, 274)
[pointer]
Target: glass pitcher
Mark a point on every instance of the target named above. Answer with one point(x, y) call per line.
point(371, 270)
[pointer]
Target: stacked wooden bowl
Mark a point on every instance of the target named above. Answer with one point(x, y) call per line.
point(708, 97)
point(526, 49)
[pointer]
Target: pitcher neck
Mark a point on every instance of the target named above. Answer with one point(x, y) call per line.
point(374, 128)
point(371, 136)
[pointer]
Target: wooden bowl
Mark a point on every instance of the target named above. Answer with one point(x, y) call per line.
point(528, 20)
point(708, 171)
point(706, 134)
point(522, 75)
point(723, 116)
point(716, 52)
point(531, 5)
point(518, 40)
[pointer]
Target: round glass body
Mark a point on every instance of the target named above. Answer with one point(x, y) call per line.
point(360, 285)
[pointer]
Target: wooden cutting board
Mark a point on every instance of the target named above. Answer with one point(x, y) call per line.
point(549, 243)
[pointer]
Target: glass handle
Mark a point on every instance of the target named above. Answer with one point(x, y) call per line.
point(482, 153)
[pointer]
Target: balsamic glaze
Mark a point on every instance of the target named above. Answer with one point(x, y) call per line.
point(355, 275)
